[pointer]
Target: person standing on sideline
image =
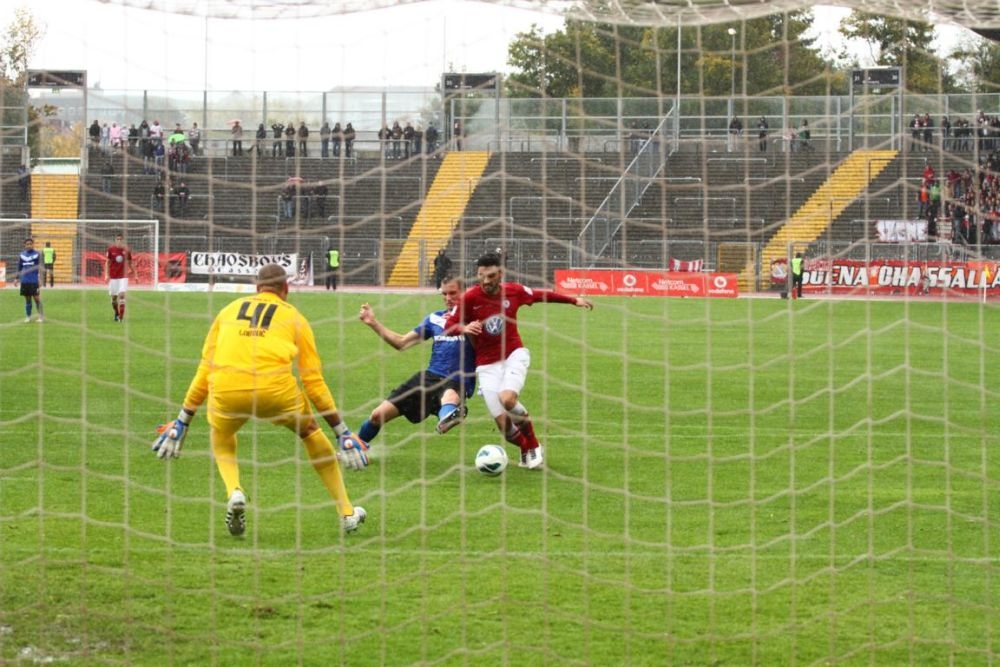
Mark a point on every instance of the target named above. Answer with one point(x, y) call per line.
point(247, 369)
point(117, 269)
point(49, 261)
point(442, 267)
point(332, 267)
point(488, 313)
point(797, 276)
point(29, 265)
point(442, 388)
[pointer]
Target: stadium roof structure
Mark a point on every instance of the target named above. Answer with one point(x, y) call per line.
point(980, 15)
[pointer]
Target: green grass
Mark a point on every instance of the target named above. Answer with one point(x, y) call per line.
point(727, 483)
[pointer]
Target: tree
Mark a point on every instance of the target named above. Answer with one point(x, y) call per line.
point(17, 45)
point(895, 42)
point(771, 55)
point(979, 64)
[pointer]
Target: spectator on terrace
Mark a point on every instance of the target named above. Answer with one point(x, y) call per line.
point(408, 133)
point(115, 136)
point(182, 193)
point(287, 201)
point(194, 138)
point(156, 132)
point(397, 136)
point(304, 195)
point(735, 133)
point(95, 135)
point(177, 137)
point(290, 140)
point(805, 136)
point(133, 139)
point(762, 130)
point(105, 138)
point(432, 138)
point(418, 139)
point(928, 128)
point(303, 139)
point(237, 133)
point(159, 193)
point(945, 133)
point(107, 171)
point(458, 133)
point(384, 137)
point(349, 135)
point(259, 139)
point(321, 191)
point(336, 137)
point(159, 156)
point(145, 145)
point(324, 139)
point(276, 148)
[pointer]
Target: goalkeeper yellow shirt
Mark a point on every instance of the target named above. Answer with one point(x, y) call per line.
point(253, 344)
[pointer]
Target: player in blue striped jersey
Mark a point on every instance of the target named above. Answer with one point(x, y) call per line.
point(29, 272)
point(441, 389)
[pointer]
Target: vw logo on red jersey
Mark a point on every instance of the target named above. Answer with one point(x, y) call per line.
point(493, 325)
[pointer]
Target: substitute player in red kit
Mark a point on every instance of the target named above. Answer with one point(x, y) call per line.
point(487, 312)
point(117, 269)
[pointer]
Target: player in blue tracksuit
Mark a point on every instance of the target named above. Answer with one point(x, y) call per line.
point(440, 389)
point(29, 272)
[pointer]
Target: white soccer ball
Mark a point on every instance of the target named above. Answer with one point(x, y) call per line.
point(491, 460)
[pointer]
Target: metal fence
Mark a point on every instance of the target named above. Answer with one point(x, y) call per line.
point(508, 124)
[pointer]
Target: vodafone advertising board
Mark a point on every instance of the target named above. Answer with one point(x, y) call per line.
point(646, 283)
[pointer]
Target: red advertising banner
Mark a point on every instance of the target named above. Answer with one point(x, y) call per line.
point(646, 283)
point(887, 277)
point(171, 268)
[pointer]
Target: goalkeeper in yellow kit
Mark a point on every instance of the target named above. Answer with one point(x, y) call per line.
point(246, 370)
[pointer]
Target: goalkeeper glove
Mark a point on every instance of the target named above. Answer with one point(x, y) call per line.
point(353, 450)
point(168, 444)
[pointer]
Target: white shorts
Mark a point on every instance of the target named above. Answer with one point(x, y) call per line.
point(117, 286)
point(506, 375)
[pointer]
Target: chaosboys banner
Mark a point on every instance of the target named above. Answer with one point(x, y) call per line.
point(841, 276)
point(238, 264)
point(646, 283)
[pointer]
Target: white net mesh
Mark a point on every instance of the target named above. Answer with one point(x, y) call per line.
point(753, 480)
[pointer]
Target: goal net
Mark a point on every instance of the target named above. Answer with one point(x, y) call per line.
point(770, 442)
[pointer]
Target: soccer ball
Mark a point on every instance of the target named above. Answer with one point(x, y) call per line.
point(491, 460)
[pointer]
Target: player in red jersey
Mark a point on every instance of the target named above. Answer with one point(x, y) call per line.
point(117, 269)
point(488, 313)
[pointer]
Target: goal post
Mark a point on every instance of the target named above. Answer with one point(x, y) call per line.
point(81, 245)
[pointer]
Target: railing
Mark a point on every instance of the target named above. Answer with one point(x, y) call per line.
point(603, 125)
point(624, 196)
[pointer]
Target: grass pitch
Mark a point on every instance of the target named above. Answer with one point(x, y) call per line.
point(726, 482)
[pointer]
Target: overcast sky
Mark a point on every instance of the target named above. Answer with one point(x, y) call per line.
point(406, 45)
